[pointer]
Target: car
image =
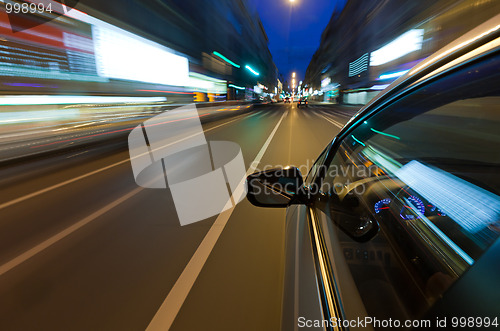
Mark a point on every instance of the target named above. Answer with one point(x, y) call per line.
point(302, 101)
point(397, 222)
point(287, 100)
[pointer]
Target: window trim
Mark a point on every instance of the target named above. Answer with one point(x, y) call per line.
point(327, 285)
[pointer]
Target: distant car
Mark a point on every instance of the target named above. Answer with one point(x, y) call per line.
point(302, 102)
point(287, 100)
point(399, 218)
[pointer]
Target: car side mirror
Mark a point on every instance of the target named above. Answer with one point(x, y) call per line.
point(276, 188)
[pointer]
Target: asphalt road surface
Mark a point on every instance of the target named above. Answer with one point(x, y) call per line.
point(82, 247)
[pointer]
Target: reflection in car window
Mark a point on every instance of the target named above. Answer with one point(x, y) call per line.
point(311, 176)
point(427, 170)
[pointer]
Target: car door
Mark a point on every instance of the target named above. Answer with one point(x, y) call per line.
point(409, 199)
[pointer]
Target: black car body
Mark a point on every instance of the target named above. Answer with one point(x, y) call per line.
point(287, 100)
point(399, 218)
point(302, 102)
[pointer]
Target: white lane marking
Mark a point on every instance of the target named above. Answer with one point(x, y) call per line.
point(69, 181)
point(69, 230)
point(337, 124)
point(330, 114)
point(169, 309)
point(263, 114)
point(66, 232)
point(69, 157)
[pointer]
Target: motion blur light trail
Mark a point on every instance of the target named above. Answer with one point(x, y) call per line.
point(25, 100)
point(111, 132)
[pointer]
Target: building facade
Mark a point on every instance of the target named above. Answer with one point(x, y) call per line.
point(371, 43)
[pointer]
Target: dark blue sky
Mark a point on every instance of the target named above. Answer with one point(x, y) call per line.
point(294, 31)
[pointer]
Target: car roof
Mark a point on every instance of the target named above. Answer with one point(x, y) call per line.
point(476, 43)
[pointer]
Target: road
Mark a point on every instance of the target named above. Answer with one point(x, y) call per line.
point(82, 247)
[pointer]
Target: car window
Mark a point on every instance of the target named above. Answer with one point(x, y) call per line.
point(426, 169)
point(313, 172)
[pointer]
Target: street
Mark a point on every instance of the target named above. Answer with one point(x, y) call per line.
point(83, 247)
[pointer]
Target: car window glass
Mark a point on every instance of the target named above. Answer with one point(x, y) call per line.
point(427, 170)
point(313, 172)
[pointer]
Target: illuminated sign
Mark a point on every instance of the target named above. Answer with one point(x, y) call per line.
point(207, 83)
point(379, 87)
point(405, 44)
point(358, 66)
point(122, 55)
point(393, 75)
point(236, 87)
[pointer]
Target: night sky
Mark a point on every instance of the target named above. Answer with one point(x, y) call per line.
point(294, 31)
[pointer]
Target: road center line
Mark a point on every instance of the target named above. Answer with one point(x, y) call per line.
point(169, 309)
point(69, 181)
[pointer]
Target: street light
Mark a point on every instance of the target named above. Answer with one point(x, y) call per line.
point(293, 75)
